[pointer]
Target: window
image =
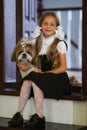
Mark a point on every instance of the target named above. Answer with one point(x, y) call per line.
point(9, 76)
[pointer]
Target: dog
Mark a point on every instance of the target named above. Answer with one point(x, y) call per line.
point(24, 53)
point(74, 80)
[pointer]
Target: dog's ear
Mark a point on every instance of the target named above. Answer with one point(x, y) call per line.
point(13, 55)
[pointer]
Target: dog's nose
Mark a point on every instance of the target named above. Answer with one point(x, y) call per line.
point(24, 55)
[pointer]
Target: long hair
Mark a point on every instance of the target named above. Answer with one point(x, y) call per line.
point(52, 53)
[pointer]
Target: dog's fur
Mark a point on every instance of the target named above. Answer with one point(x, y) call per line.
point(24, 53)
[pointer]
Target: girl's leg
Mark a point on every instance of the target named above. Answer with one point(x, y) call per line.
point(24, 95)
point(38, 97)
point(17, 119)
point(36, 119)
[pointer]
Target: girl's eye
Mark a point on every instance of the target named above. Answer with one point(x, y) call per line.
point(45, 23)
point(52, 24)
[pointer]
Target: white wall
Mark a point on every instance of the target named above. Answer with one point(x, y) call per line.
point(62, 111)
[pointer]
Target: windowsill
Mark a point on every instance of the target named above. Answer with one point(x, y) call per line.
point(76, 93)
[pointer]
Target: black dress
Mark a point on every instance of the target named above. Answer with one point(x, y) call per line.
point(53, 85)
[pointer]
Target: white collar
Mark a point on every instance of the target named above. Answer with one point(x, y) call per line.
point(48, 40)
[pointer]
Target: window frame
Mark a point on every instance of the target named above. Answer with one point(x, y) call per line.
point(79, 92)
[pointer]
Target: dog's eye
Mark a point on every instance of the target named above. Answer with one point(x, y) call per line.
point(29, 53)
point(30, 46)
point(19, 52)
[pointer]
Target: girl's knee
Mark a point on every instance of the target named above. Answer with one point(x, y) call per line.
point(27, 82)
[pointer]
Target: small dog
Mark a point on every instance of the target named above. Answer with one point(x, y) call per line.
point(24, 53)
point(74, 80)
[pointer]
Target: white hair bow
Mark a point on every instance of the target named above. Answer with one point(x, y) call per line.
point(59, 33)
point(37, 32)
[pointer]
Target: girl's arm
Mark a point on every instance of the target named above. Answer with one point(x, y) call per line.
point(62, 67)
point(25, 67)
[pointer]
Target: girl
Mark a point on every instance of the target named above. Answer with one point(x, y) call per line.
point(52, 81)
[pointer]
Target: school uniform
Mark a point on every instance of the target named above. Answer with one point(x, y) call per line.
point(53, 85)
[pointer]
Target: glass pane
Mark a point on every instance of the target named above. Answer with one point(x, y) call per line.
point(10, 40)
point(70, 15)
point(73, 31)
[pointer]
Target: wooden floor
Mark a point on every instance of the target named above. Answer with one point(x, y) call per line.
point(48, 126)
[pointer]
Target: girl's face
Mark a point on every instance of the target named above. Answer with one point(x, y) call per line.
point(48, 26)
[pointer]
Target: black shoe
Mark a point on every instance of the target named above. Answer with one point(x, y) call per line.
point(34, 121)
point(16, 121)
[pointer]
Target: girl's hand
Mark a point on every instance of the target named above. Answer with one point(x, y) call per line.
point(37, 70)
point(23, 67)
